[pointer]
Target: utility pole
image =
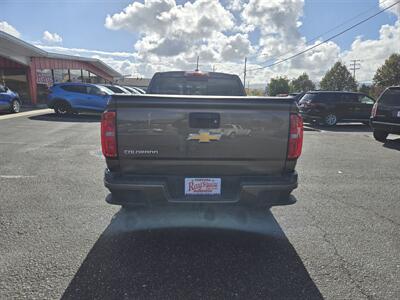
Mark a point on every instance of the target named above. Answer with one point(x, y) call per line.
point(197, 65)
point(355, 65)
point(244, 73)
point(214, 68)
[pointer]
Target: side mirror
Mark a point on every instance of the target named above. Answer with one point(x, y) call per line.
point(6, 88)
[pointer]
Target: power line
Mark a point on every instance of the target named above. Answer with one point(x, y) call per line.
point(326, 32)
point(326, 40)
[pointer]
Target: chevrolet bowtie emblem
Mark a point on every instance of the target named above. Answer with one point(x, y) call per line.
point(204, 137)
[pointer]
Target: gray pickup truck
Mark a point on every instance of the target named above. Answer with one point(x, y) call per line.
point(171, 147)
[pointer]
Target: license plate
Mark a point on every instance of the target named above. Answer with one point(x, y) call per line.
point(398, 114)
point(202, 186)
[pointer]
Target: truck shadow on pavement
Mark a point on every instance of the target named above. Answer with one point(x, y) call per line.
point(186, 263)
point(392, 144)
point(78, 118)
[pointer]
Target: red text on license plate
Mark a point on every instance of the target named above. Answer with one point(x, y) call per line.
point(202, 186)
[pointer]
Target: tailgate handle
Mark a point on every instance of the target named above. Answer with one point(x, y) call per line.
point(204, 120)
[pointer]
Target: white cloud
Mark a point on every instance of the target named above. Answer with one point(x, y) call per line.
point(235, 5)
point(138, 17)
point(234, 47)
point(169, 29)
point(4, 26)
point(51, 38)
point(386, 3)
point(275, 17)
point(374, 52)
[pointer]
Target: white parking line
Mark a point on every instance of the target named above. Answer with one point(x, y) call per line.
point(16, 176)
point(26, 113)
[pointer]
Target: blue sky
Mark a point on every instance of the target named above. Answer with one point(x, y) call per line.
point(81, 24)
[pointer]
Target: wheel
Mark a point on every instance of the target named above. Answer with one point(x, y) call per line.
point(380, 135)
point(15, 106)
point(232, 135)
point(330, 120)
point(62, 108)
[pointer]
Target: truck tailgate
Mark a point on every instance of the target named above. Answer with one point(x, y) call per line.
point(200, 135)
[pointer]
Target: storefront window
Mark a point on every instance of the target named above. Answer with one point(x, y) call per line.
point(76, 75)
point(94, 78)
point(86, 77)
point(61, 75)
point(44, 76)
point(16, 80)
point(44, 80)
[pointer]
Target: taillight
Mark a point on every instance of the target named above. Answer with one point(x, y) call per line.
point(108, 134)
point(374, 109)
point(295, 136)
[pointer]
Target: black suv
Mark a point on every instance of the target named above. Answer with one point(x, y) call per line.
point(329, 108)
point(385, 116)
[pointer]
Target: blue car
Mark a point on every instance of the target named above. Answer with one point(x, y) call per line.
point(67, 98)
point(9, 100)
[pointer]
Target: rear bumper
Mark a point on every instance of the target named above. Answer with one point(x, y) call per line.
point(257, 191)
point(389, 127)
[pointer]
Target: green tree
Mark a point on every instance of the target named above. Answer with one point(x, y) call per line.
point(302, 84)
point(365, 89)
point(255, 92)
point(338, 78)
point(389, 73)
point(278, 85)
point(376, 91)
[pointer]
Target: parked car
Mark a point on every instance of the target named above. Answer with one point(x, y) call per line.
point(140, 90)
point(132, 90)
point(297, 96)
point(385, 115)
point(166, 148)
point(330, 108)
point(117, 89)
point(9, 100)
point(66, 98)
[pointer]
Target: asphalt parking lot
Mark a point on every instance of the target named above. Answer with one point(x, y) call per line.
point(59, 239)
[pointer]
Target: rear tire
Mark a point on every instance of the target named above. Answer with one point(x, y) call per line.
point(330, 120)
point(380, 135)
point(62, 108)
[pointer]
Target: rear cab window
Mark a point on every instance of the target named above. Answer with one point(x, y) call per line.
point(196, 84)
point(308, 97)
point(364, 99)
point(390, 97)
point(324, 97)
point(347, 98)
